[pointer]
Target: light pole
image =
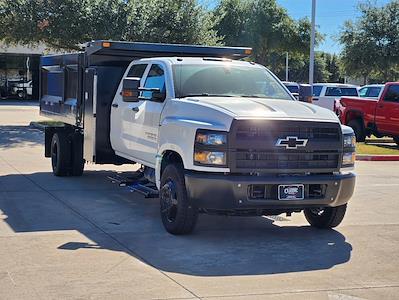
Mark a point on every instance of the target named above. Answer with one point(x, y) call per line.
point(286, 66)
point(312, 41)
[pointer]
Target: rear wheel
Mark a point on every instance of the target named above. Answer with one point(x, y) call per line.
point(179, 215)
point(60, 154)
point(358, 129)
point(325, 217)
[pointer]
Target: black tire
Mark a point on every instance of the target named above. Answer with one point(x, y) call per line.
point(78, 162)
point(396, 140)
point(60, 154)
point(326, 217)
point(358, 129)
point(179, 215)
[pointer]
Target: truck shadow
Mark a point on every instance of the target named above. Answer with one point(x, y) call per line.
point(18, 136)
point(115, 219)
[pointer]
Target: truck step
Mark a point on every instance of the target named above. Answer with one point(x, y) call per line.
point(147, 191)
point(126, 181)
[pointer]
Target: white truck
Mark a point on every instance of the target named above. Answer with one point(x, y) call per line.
point(327, 94)
point(213, 133)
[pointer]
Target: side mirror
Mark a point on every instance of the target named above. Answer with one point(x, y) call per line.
point(158, 96)
point(305, 93)
point(296, 95)
point(130, 89)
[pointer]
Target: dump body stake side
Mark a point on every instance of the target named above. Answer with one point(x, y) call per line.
point(213, 133)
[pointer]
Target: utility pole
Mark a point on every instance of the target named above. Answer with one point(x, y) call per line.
point(286, 66)
point(312, 42)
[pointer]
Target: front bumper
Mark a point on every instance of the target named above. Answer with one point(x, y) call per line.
point(231, 192)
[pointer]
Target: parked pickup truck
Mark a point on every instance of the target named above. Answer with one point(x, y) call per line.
point(372, 116)
point(213, 133)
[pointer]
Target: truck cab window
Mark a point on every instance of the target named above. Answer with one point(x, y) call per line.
point(363, 92)
point(317, 90)
point(155, 79)
point(137, 70)
point(392, 94)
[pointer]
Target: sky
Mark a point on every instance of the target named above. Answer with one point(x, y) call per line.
point(330, 16)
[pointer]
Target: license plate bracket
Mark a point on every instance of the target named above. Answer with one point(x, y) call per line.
point(291, 192)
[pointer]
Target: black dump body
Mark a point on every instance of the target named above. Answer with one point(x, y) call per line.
point(78, 89)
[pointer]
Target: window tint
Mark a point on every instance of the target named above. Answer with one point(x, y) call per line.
point(338, 92)
point(363, 92)
point(293, 88)
point(374, 92)
point(392, 94)
point(317, 90)
point(137, 70)
point(155, 79)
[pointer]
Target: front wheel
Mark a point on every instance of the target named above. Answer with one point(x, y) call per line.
point(325, 217)
point(179, 215)
point(358, 129)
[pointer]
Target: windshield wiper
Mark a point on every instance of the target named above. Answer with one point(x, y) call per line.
point(205, 95)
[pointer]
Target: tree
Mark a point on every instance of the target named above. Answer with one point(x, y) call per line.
point(65, 24)
point(371, 44)
point(170, 21)
point(266, 27)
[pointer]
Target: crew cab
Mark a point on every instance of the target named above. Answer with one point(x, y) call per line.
point(372, 116)
point(213, 133)
point(326, 94)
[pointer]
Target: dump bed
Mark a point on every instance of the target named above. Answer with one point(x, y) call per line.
point(78, 88)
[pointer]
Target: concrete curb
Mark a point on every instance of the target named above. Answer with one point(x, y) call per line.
point(365, 157)
point(382, 141)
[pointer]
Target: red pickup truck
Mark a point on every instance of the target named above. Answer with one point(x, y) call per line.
point(372, 116)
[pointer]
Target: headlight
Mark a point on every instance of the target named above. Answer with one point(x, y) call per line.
point(349, 156)
point(210, 148)
point(349, 141)
point(348, 159)
point(210, 158)
point(211, 138)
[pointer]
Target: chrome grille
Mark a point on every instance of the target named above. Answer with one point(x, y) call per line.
point(253, 147)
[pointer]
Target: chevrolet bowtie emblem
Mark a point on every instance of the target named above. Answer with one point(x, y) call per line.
point(291, 142)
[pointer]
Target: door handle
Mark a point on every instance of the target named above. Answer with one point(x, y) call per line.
point(315, 99)
point(115, 105)
point(135, 109)
point(381, 106)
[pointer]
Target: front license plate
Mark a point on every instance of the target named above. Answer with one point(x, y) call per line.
point(291, 192)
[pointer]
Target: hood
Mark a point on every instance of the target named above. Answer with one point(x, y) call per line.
point(240, 107)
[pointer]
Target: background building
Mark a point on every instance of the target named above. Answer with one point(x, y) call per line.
point(19, 71)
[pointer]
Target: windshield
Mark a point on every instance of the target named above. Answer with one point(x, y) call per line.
point(341, 91)
point(226, 80)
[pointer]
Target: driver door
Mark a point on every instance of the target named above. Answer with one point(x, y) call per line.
point(145, 124)
point(387, 111)
point(123, 115)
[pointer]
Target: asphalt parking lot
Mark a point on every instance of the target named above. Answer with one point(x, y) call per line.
point(86, 238)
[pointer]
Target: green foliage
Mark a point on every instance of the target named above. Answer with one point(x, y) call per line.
point(65, 24)
point(326, 68)
point(267, 28)
point(371, 44)
point(170, 21)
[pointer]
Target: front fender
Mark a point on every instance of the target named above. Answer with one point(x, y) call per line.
point(177, 135)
